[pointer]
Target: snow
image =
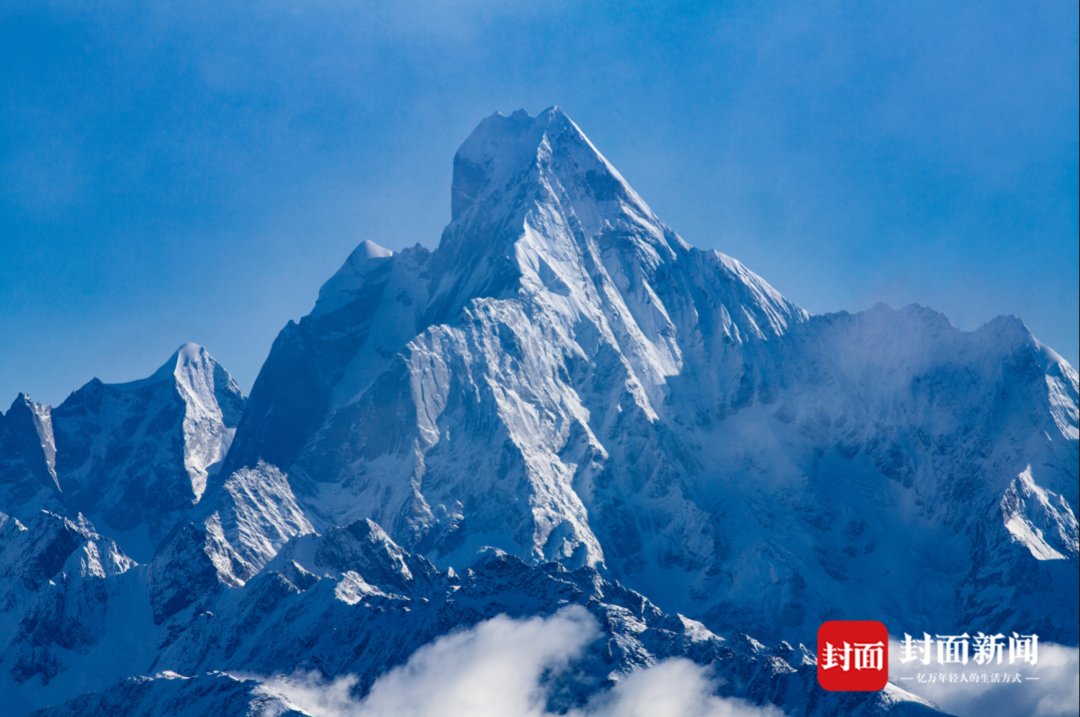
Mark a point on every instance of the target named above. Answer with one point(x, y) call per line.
point(343, 286)
point(1024, 503)
point(208, 431)
point(133, 457)
point(569, 380)
point(563, 403)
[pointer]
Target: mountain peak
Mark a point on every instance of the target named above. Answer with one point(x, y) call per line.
point(134, 456)
point(183, 358)
point(187, 357)
point(24, 406)
point(342, 287)
point(503, 150)
point(24, 402)
point(199, 377)
point(190, 351)
point(498, 135)
point(30, 425)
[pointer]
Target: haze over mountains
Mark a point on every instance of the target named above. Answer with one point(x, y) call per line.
point(565, 403)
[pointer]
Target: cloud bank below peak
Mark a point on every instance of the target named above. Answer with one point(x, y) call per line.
point(500, 667)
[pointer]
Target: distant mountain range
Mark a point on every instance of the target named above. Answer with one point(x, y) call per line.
point(563, 404)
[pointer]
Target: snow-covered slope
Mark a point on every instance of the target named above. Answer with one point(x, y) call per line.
point(564, 403)
point(353, 603)
point(133, 457)
point(169, 693)
point(226, 540)
point(28, 479)
point(567, 379)
point(64, 590)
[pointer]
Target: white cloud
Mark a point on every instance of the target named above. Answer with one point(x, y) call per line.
point(309, 693)
point(672, 688)
point(1056, 692)
point(496, 668)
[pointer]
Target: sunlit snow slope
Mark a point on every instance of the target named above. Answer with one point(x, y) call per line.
point(564, 403)
point(566, 379)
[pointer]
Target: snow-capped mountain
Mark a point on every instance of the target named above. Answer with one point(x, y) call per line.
point(133, 457)
point(566, 379)
point(564, 403)
point(28, 479)
point(347, 602)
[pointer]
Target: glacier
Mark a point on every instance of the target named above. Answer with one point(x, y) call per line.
point(564, 403)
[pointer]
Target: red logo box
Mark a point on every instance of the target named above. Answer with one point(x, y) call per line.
point(853, 655)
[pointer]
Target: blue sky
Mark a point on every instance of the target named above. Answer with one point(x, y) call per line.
point(194, 171)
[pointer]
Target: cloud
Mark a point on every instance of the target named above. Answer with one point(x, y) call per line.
point(1056, 692)
point(497, 668)
point(672, 688)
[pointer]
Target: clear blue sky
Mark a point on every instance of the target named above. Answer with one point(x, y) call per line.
point(195, 170)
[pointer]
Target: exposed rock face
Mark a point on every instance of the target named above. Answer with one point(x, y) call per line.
point(563, 404)
point(134, 457)
point(566, 379)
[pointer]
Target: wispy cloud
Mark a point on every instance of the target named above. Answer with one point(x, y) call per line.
point(497, 668)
